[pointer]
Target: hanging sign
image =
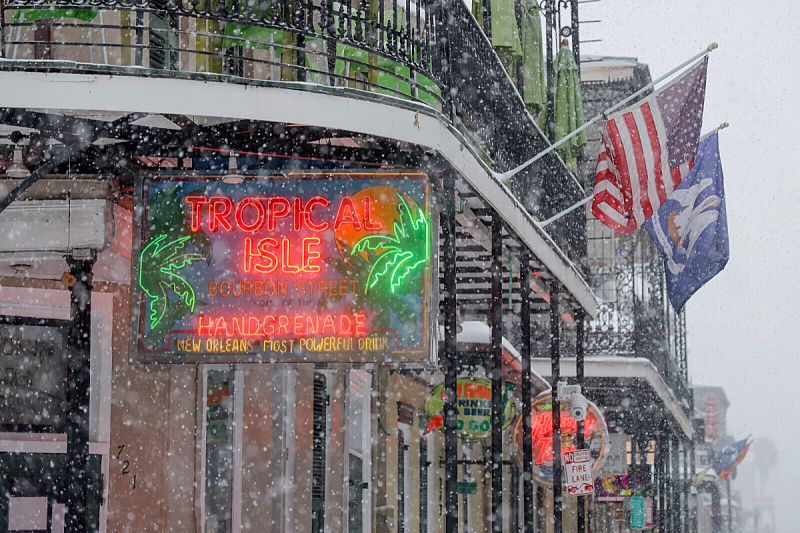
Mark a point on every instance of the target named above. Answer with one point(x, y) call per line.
point(467, 487)
point(594, 430)
point(293, 267)
point(474, 402)
point(616, 455)
point(618, 510)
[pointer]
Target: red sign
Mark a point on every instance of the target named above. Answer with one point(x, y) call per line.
point(711, 418)
point(648, 513)
point(595, 435)
point(578, 472)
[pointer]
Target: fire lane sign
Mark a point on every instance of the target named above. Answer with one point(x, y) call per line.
point(578, 471)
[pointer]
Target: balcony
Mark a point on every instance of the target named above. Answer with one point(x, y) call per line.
point(634, 317)
point(428, 56)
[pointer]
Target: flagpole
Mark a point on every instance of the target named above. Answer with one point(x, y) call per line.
point(505, 176)
point(586, 200)
point(715, 130)
point(566, 211)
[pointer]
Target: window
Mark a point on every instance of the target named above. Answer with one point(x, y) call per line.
point(33, 374)
point(164, 38)
point(223, 454)
point(320, 424)
point(359, 442)
point(33, 352)
point(405, 421)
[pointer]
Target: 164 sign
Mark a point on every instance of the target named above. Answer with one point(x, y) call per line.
point(295, 267)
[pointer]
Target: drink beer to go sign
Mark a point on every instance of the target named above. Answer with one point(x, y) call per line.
point(578, 472)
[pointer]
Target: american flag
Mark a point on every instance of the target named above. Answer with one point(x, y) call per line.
point(648, 149)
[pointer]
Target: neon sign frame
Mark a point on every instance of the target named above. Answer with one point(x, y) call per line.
point(329, 267)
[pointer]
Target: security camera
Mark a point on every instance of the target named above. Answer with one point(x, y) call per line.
point(577, 406)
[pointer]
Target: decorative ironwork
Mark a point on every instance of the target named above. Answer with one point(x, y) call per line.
point(550, 7)
point(406, 47)
point(638, 321)
point(429, 51)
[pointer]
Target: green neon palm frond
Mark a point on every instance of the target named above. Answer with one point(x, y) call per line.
point(374, 242)
point(405, 253)
point(182, 288)
point(382, 267)
point(158, 265)
point(404, 269)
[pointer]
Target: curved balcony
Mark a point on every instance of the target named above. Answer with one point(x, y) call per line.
point(424, 52)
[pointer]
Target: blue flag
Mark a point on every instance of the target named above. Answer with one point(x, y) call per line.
point(691, 227)
point(730, 457)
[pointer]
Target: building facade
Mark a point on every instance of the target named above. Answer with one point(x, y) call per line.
point(154, 146)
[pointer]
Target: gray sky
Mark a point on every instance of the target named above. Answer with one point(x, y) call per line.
point(743, 325)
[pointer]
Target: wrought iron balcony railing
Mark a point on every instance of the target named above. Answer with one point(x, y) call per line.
point(635, 318)
point(430, 52)
point(319, 41)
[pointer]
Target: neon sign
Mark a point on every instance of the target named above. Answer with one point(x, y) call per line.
point(595, 436)
point(305, 267)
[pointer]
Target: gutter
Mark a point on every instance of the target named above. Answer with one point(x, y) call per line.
point(623, 367)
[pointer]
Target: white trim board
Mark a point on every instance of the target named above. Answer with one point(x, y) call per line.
point(330, 109)
point(55, 304)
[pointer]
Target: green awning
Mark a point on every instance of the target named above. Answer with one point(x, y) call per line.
point(505, 34)
point(568, 105)
point(534, 87)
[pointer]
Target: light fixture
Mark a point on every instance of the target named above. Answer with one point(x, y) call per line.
point(17, 168)
point(233, 176)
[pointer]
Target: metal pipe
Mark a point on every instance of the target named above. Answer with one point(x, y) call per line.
point(555, 364)
point(687, 481)
point(730, 523)
point(549, 26)
point(580, 437)
point(525, 392)
point(487, 18)
point(576, 41)
point(662, 485)
point(496, 374)
point(677, 521)
point(139, 38)
point(2, 30)
point(78, 382)
point(692, 468)
point(716, 514)
point(448, 216)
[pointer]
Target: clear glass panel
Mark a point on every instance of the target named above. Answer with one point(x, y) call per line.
point(219, 451)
